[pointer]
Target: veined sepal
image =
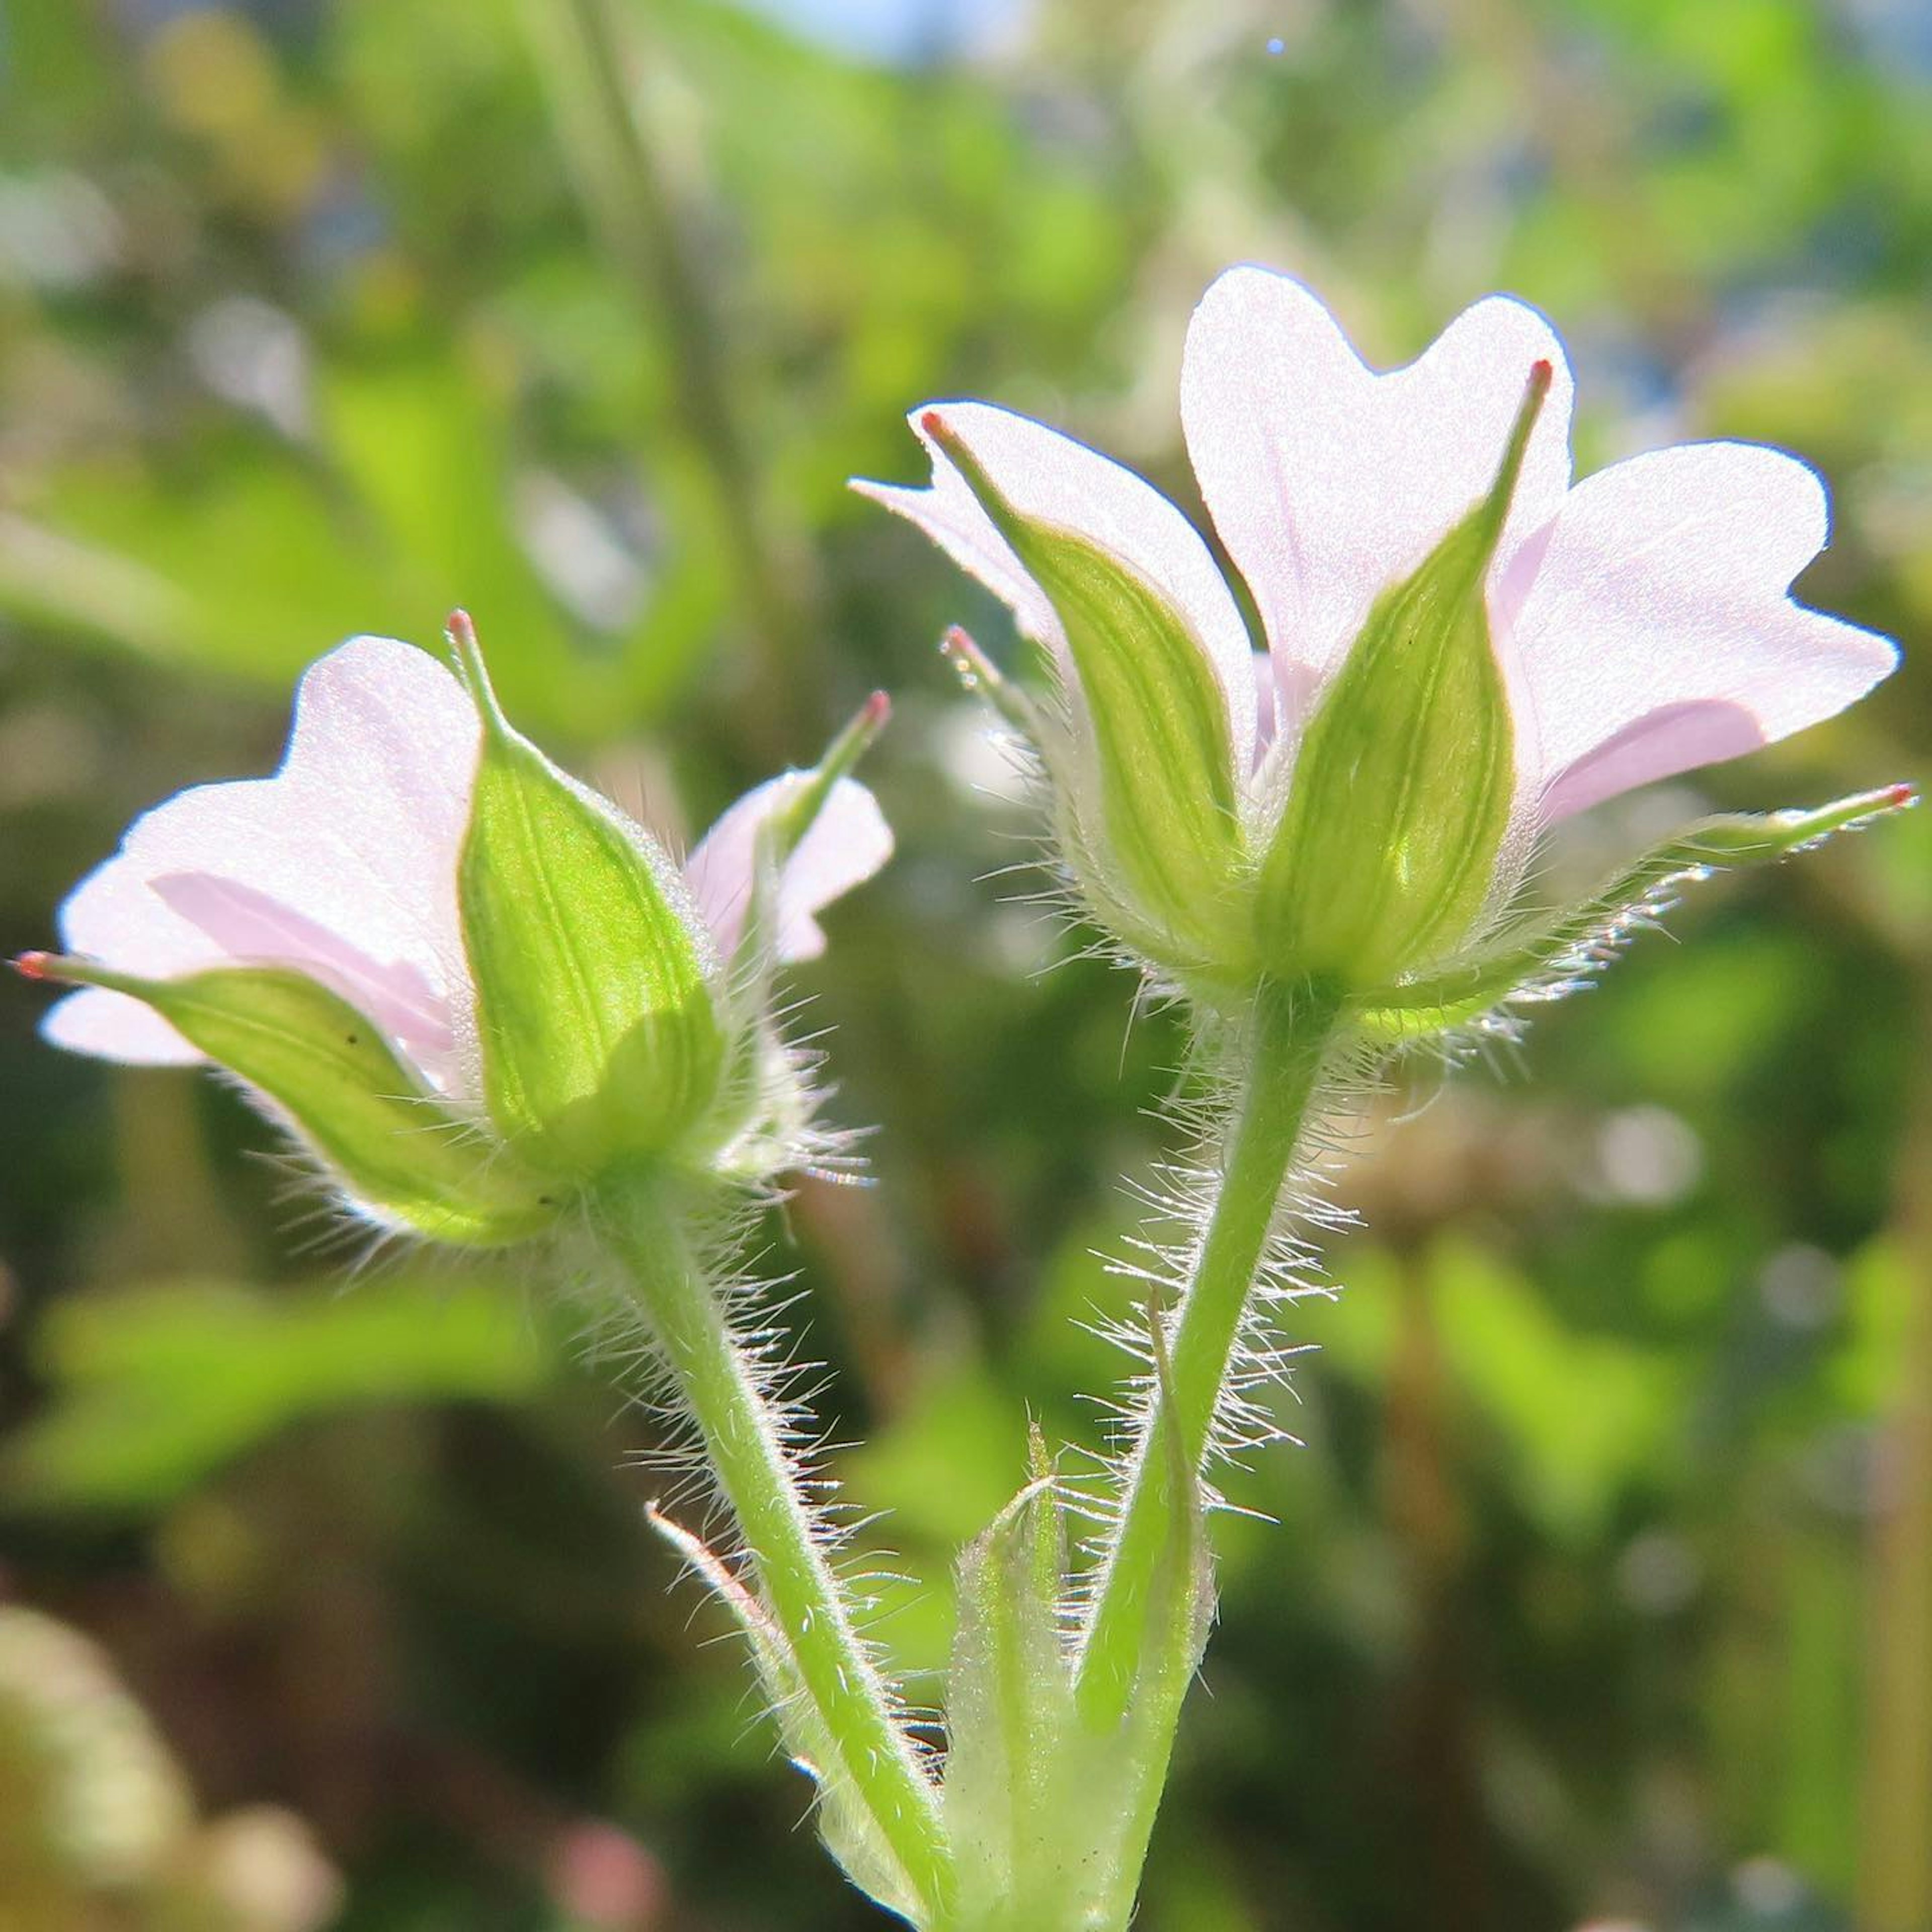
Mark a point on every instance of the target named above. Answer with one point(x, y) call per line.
point(1543, 957)
point(601, 1038)
point(1400, 802)
point(1050, 1796)
point(1144, 771)
point(401, 1154)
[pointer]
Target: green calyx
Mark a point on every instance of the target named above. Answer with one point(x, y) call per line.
point(601, 1045)
point(1541, 956)
point(1154, 830)
point(400, 1153)
point(1401, 798)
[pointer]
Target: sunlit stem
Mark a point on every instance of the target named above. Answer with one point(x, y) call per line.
point(743, 1445)
point(1289, 1036)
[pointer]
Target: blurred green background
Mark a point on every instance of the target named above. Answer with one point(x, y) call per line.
point(1602, 1588)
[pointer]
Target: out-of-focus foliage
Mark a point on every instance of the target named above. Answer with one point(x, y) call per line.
point(1602, 1586)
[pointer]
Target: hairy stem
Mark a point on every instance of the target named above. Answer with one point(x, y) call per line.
point(1288, 1042)
point(743, 1443)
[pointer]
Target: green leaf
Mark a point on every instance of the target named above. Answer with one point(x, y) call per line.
point(401, 1154)
point(1401, 797)
point(1541, 959)
point(157, 1387)
point(1167, 804)
point(601, 1042)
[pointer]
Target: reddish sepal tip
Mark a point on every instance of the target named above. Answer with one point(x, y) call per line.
point(1897, 795)
point(460, 628)
point(32, 965)
point(932, 422)
point(1542, 373)
point(877, 708)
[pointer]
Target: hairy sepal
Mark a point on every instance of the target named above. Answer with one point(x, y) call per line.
point(1048, 1804)
point(1542, 958)
point(326, 1070)
point(845, 1827)
point(1400, 803)
point(1154, 720)
point(602, 1044)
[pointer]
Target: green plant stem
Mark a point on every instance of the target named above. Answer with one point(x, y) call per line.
point(590, 53)
point(1288, 1039)
point(742, 1440)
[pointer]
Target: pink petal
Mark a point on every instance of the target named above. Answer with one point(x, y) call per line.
point(1657, 633)
point(1050, 477)
point(247, 925)
point(350, 850)
point(111, 1026)
point(847, 843)
point(1328, 482)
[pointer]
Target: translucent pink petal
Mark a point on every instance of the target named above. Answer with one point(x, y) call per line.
point(349, 852)
point(847, 842)
point(1656, 633)
point(249, 925)
point(1050, 477)
point(1328, 482)
point(110, 1026)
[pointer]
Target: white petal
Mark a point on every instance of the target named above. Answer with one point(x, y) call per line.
point(1050, 477)
point(113, 1026)
point(847, 843)
point(1657, 633)
point(1328, 482)
point(354, 841)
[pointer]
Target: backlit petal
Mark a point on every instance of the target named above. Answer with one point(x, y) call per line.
point(349, 851)
point(1049, 477)
point(845, 845)
point(1328, 482)
point(1657, 633)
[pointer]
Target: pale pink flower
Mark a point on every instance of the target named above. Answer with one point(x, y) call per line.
point(343, 865)
point(1642, 618)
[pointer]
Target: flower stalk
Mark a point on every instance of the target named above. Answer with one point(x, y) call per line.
point(1291, 1035)
point(879, 1766)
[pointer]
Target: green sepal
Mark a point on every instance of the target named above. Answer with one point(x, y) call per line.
point(399, 1153)
point(1542, 957)
point(1010, 1719)
point(1169, 840)
point(1400, 800)
point(846, 1828)
point(601, 1042)
point(1051, 1795)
